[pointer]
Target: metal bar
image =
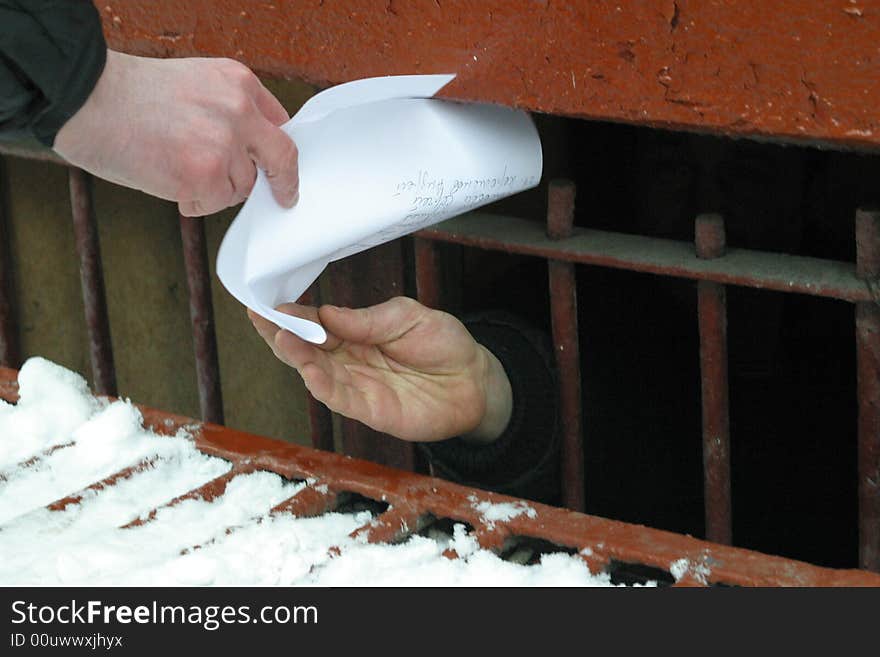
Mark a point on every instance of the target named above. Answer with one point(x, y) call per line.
point(712, 314)
point(563, 313)
point(31, 151)
point(313, 500)
point(320, 418)
point(772, 271)
point(868, 364)
point(427, 272)
point(91, 273)
point(201, 314)
point(393, 526)
point(9, 348)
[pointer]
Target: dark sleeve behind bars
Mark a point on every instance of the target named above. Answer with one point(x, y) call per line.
point(524, 460)
point(52, 53)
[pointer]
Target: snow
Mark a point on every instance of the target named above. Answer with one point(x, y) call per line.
point(699, 570)
point(491, 513)
point(230, 540)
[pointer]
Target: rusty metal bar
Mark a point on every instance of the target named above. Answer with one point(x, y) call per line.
point(91, 273)
point(868, 363)
point(320, 418)
point(201, 313)
point(313, 500)
point(772, 271)
point(427, 267)
point(392, 526)
point(712, 312)
point(9, 349)
point(563, 313)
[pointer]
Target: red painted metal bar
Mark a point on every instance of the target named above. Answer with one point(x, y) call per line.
point(605, 543)
point(91, 272)
point(320, 418)
point(427, 272)
point(712, 313)
point(868, 363)
point(201, 313)
point(563, 313)
point(9, 350)
point(771, 271)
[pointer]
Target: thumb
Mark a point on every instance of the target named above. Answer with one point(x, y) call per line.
point(380, 324)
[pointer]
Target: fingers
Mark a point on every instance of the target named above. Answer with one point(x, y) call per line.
point(329, 381)
point(221, 196)
point(264, 327)
point(274, 152)
point(379, 324)
point(242, 175)
point(311, 313)
point(267, 329)
point(270, 107)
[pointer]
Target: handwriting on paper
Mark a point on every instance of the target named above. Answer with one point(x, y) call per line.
point(405, 160)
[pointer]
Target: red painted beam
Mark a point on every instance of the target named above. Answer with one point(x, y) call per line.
point(793, 69)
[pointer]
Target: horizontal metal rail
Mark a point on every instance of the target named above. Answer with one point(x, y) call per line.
point(653, 255)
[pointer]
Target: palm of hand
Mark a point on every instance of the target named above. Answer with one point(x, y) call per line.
point(399, 367)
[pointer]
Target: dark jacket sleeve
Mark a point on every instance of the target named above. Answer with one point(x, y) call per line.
point(524, 460)
point(52, 53)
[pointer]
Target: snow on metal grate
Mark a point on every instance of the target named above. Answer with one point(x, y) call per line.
point(89, 495)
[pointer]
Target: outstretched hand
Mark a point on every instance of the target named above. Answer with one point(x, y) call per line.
point(400, 368)
point(190, 130)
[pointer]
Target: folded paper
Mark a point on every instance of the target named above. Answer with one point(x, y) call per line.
point(378, 158)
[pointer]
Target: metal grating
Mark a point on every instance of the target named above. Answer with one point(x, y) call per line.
point(413, 502)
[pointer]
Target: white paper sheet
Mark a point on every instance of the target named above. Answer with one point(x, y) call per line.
point(378, 158)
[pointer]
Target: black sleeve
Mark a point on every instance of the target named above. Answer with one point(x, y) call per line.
point(52, 53)
point(524, 460)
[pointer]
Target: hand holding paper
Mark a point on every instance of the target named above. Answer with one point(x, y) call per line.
point(378, 159)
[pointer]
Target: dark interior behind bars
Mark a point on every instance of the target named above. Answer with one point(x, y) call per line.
point(792, 367)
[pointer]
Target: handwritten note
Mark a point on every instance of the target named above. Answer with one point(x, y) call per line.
point(378, 159)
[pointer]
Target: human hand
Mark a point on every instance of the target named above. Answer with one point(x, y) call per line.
point(400, 368)
point(188, 130)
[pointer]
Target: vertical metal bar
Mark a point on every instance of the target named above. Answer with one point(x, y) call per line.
point(201, 314)
point(91, 273)
point(320, 418)
point(9, 350)
point(427, 272)
point(563, 312)
point(868, 367)
point(712, 312)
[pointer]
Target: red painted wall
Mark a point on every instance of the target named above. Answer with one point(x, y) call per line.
point(800, 69)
